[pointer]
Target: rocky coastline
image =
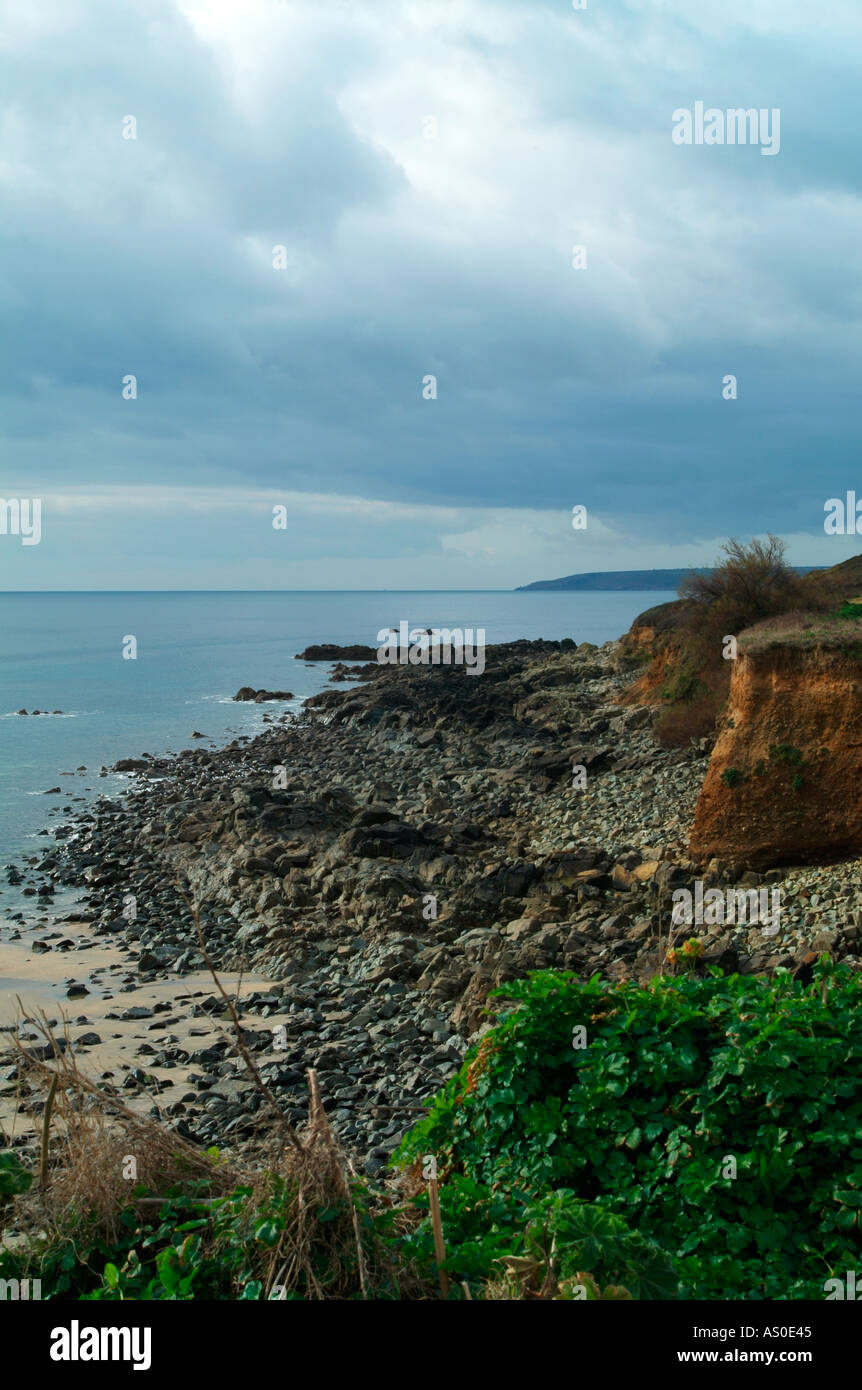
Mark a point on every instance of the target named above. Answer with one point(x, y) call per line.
point(393, 852)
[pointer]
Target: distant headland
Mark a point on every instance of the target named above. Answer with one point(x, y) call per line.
point(610, 580)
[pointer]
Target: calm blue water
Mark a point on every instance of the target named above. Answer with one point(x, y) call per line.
point(64, 651)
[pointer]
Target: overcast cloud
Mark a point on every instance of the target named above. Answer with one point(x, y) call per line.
point(420, 246)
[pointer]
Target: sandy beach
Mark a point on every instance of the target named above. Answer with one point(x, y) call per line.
point(34, 985)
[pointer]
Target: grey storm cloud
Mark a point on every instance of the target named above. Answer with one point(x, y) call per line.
point(305, 125)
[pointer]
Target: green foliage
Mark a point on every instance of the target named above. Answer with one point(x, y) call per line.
point(786, 753)
point(219, 1252)
point(675, 1078)
point(792, 757)
point(487, 1227)
point(779, 753)
point(14, 1177)
point(850, 610)
point(83, 1263)
point(566, 1172)
point(187, 1253)
point(683, 684)
point(194, 1248)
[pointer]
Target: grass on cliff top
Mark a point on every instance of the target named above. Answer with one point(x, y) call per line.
point(839, 631)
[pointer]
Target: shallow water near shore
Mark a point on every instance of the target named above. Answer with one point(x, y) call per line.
point(64, 652)
point(194, 652)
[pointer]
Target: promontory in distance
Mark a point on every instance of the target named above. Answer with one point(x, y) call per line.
point(628, 579)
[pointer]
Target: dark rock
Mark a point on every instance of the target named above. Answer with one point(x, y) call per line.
point(43, 1052)
point(328, 651)
point(804, 971)
point(248, 694)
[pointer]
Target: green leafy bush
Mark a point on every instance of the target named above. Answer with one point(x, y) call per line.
point(84, 1262)
point(168, 1260)
point(675, 1080)
point(486, 1229)
point(14, 1177)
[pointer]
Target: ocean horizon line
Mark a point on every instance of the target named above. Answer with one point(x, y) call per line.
point(34, 593)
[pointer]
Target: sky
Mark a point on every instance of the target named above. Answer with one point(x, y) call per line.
point(426, 170)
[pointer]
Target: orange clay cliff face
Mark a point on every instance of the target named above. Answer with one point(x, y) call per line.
point(784, 782)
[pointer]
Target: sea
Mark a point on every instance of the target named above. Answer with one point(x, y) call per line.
point(194, 650)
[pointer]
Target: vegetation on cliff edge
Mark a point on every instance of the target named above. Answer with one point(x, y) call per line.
point(699, 1138)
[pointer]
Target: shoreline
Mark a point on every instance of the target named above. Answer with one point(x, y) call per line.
point(383, 861)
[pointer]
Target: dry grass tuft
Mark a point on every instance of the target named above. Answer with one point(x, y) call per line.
point(301, 1184)
point(89, 1135)
point(803, 632)
point(327, 1247)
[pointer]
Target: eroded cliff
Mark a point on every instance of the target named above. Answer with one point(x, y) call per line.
point(784, 782)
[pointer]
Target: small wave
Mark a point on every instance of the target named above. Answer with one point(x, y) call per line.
point(51, 714)
point(229, 700)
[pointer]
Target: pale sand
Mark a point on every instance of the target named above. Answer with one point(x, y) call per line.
point(39, 979)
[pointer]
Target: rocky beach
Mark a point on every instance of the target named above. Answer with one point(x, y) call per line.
point(366, 871)
point(430, 733)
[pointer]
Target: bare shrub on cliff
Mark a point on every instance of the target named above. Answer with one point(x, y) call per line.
point(752, 582)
